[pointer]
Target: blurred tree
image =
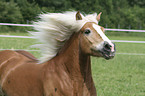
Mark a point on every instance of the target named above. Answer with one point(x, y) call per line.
point(86, 6)
point(10, 12)
point(116, 18)
point(54, 5)
point(29, 11)
point(140, 3)
point(115, 12)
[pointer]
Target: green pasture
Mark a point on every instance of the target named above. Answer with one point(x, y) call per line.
point(122, 76)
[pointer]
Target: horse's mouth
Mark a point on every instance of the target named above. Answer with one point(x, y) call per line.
point(107, 54)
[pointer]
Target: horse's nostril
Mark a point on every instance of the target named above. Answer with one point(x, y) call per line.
point(107, 45)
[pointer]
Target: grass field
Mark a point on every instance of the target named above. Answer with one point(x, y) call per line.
point(122, 76)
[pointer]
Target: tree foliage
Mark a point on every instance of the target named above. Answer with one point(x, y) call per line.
point(10, 12)
point(28, 10)
point(115, 12)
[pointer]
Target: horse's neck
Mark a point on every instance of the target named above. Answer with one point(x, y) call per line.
point(76, 65)
point(74, 60)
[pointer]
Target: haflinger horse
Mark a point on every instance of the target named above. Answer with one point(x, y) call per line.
point(67, 40)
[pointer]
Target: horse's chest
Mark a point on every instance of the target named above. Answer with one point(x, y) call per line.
point(63, 85)
point(57, 84)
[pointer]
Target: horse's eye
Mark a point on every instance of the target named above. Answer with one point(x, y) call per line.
point(87, 31)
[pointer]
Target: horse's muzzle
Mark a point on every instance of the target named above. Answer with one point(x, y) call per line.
point(108, 50)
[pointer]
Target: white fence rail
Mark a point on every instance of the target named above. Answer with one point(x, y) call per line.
point(12, 36)
point(121, 41)
point(107, 29)
point(126, 41)
point(10, 24)
point(124, 30)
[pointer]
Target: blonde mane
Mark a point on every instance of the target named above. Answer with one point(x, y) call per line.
point(54, 29)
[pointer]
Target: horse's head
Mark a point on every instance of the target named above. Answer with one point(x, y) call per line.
point(54, 29)
point(93, 41)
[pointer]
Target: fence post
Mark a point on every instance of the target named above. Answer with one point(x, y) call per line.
point(106, 27)
point(118, 26)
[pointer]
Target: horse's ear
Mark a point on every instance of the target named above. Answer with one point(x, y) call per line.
point(98, 16)
point(78, 16)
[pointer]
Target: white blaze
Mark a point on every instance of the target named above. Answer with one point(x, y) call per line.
point(104, 37)
point(101, 33)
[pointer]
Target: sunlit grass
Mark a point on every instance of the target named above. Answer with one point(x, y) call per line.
point(122, 76)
